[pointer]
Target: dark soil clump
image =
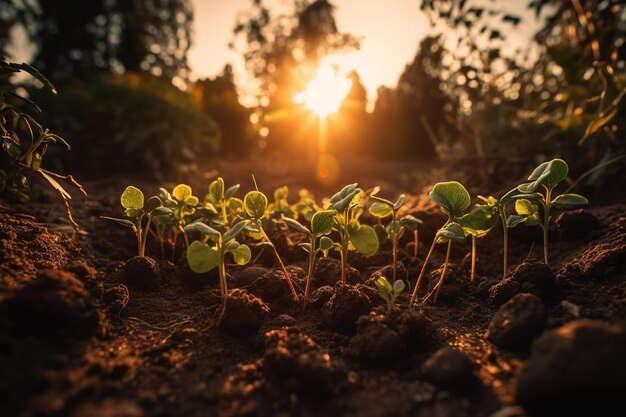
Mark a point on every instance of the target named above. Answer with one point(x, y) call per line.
point(517, 322)
point(141, 273)
point(244, 314)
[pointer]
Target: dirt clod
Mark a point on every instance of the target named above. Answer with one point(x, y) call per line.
point(141, 273)
point(517, 322)
point(244, 314)
point(375, 342)
point(347, 304)
point(449, 368)
point(577, 224)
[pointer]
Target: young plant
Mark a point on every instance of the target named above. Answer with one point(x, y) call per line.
point(453, 199)
point(477, 223)
point(352, 234)
point(222, 201)
point(255, 205)
point(183, 204)
point(210, 252)
point(321, 226)
point(382, 208)
point(544, 180)
point(25, 141)
point(389, 292)
point(132, 201)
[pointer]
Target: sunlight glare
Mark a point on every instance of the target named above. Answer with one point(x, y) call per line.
point(325, 92)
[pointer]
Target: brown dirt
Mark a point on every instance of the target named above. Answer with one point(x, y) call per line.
point(157, 353)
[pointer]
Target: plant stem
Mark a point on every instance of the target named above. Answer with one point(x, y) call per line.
point(280, 262)
point(437, 287)
point(145, 235)
point(472, 273)
point(419, 279)
point(394, 249)
point(139, 236)
point(224, 216)
point(344, 255)
point(309, 275)
point(223, 284)
point(344, 248)
point(416, 241)
point(505, 243)
point(546, 223)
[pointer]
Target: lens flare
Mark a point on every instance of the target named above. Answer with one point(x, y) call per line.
point(325, 92)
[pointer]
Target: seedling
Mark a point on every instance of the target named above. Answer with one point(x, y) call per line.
point(210, 252)
point(306, 206)
point(321, 225)
point(222, 200)
point(478, 223)
point(352, 234)
point(383, 208)
point(25, 141)
point(132, 201)
point(453, 199)
point(255, 205)
point(389, 292)
point(183, 204)
point(543, 181)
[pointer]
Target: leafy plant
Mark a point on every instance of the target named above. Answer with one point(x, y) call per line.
point(352, 234)
point(182, 204)
point(453, 199)
point(383, 208)
point(132, 201)
point(221, 200)
point(255, 205)
point(25, 141)
point(477, 223)
point(210, 252)
point(321, 226)
point(389, 292)
point(544, 180)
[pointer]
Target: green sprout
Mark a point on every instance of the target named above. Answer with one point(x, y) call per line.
point(541, 188)
point(389, 292)
point(453, 199)
point(255, 205)
point(210, 252)
point(132, 201)
point(382, 208)
point(222, 201)
point(183, 204)
point(352, 234)
point(477, 223)
point(321, 225)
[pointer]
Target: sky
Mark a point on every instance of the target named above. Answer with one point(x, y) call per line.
point(390, 32)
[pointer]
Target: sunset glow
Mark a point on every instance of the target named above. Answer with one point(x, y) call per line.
point(325, 92)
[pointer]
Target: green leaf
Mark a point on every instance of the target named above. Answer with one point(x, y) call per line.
point(381, 232)
point(161, 211)
point(216, 190)
point(569, 201)
point(231, 191)
point(255, 204)
point(201, 257)
point(133, 212)
point(281, 193)
point(235, 230)
point(480, 220)
point(192, 201)
point(515, 220)
point(295, 225)
point(322, 222)
point(363, 238)
point(341, 200)
point(306, 246)
point(451, 196)
point(326, 244)
point(451, 231)
point(548, 174)
point(399, 203)
point(384, 288)
point(380, 209)
point(410, 222)
point(201, 228)
point(241, 253)
point(524, 207)
point(132, 198)
point(398, 286)
point(122, 222)
point(182, 192)
point(492, 201)
point(394, 227)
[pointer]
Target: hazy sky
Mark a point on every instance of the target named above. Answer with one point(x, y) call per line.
point(391, 30)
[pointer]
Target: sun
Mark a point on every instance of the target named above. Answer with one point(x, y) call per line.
point(325, 92)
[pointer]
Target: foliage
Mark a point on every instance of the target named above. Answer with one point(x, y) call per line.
point(389, 292)
point(541, 188)
point(352, 234)
point(25, 140)
point(132, 200)
point(321, 225)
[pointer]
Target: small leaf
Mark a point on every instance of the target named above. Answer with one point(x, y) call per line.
point(341, 200)
point(182, 192)
point(153, 203)
point(399, 203)
point(480, 220)
point(398, 286)
point(295, 225)
point(380, 209)
point(201, 257)
point(201, 228)
point(216, 190)
point(548, 174)
point(569, 201)
point(451, 231)
point(281, 193)
point(241, 254)
point(384, 288)
point(451, 196)
point(515, 220)
point(231, 191)
point(524, 207)
point(326, 244)
point(161, 211)
point(364, 238)
point(322, 222)
point(381, 232)
point(132, 198)
point(122, 222)
point(255, 204)
point(235, 230)
point(306, 246)
point(410, 222)
point(192, 201)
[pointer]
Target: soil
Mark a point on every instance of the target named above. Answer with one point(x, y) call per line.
point(84, 331)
